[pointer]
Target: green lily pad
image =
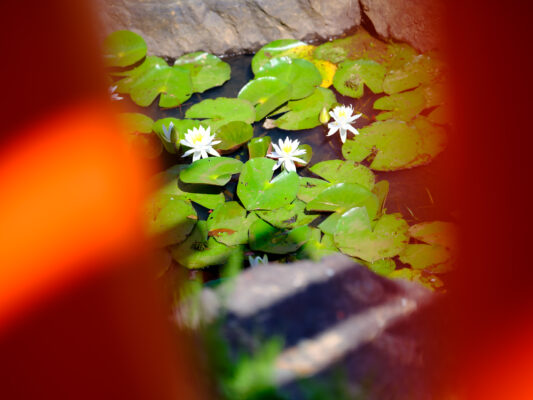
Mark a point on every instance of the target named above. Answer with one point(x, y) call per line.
point(135, 123)
point(403, 106)
point(258, 147)
point(338, 171)
point(398, 145)
point(233, 134)
point(222, 110)
point(167, 183)
point(199, 252)
point(351, 77)
point(316, 248)
point(170, 219)
point(329, 225)
point(289, 216)
point(132, 76)
point(309, 188)
point(382, 267)
point(123, 48)
point(229, 224)
point(304, 113)
point(355, 237)
point(301, 74)
point(430, 281)
point(256, 190)
point(381, 190)
point(422, 69)
point(343, 196)
point(181, 126)
point(423, 256)
point(437, 232)
point(172, 83)
point(266, 94)
point(268, 239)
point(211, 171)
point(207, 70)
point(278, 48)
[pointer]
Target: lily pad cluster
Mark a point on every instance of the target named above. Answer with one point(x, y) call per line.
point(335, 206)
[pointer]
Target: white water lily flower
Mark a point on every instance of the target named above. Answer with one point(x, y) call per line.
point(343, 120)
point(167, 133)
point(286, 154)
point(114, 96)
point(200, 142)
point(255, 261)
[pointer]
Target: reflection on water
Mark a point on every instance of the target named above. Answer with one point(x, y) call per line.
point(419, 194)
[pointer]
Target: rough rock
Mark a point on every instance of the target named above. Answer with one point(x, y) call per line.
point(174, 27)
point(418, 22)
point(331, 314)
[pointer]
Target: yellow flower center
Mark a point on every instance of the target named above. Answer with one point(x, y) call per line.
point(342, 113)
point(287, 148)
point(197, 139)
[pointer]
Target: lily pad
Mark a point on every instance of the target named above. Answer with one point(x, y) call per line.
point(382, 267)
point(258, 147)
point(430, 281)
point(300, 73)
point(381, 190)
point(256, 190)
point(304, 113)
point(233, 134)
point(278, 48)
point(207, 70)
point(229, 224)
point(132, 76)
point(398, 145)
point(167, 183)
point(289, 216)
point(180, 128)
point(211, 171)
point(423, 256)
point(222, 110)
point(329, 225)
point(355, 237)
point(343, 196)
point(437, 232)
point(266, 238)
point(266, 94)
point(351, 77)
point(338, 171)
point(123, 48)
point(316, 247)
point(309, 188)
point(170, 219)
point(135, 123)
point(199, 252)
point(403, 106)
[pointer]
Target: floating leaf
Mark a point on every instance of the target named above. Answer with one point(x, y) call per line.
point(309, 188)
point(437, 232)
point(167, 183)
point(207, 70)
point(329, 225)
point(233, 134)
point(123, 48)
point(430, 281)
point(257, 192)
point(354, 235)
point(132, 76)
point(258, 147)
point(289, 216)
point(343, 196)
point(174, 85)
point(266, 238)
point(278, 48)
point(181, 126)
point(300, 73)
point(211, 171)
point(170, 219)
point(135, 123)
point(228, 224)
point(422, 256)
point(316, 248)
point(351, 76)
point(303, 114)
point(403, 106)
point(198, 251)
point(222, 110)
point(266, 94)
point(338, 171)
point(382, 267)
point(398, 144)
